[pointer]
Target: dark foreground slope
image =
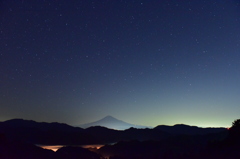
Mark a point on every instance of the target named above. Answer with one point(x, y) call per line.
point(112, 136)
point(76, 153)
point(177, 147)
point(23, 150)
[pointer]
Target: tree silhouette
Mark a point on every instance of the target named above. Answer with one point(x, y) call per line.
point(236, 124)
point(234, 132)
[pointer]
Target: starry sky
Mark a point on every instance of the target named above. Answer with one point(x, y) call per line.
point(147, 62)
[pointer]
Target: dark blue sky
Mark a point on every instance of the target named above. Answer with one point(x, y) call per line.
point(147, 62)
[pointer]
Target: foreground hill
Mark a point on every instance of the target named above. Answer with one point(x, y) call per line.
point(112, 136)
point(23, 150)
point(182, 147)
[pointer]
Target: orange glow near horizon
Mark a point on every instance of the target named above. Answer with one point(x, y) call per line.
point(52, 147)
point(92, 146)
point(56, 147)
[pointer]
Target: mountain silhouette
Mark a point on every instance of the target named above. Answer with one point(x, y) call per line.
point(180, 129)
point(45, 133)
point(63, 134)
point(111, 123)
point(107, 135)
point(18, 139)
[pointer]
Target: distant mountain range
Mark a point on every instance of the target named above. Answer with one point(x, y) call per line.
point(45, 133)
point(18, 139)
point(63, 134)
point(112, 123)
point(182, 129)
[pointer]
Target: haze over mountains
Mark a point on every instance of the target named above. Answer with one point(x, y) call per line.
point(112, 123)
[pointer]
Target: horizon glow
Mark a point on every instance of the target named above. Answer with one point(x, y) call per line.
point(144, 62)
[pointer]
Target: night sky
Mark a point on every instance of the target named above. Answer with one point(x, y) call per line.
point(147, 62)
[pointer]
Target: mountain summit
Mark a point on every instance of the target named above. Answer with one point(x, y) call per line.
point(111, 123)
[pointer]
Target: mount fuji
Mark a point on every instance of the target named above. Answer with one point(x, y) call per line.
point(111, 123)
